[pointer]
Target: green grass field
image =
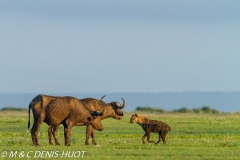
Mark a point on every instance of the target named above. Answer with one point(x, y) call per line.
point(193, 136)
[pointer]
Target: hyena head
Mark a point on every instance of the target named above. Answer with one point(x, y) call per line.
point(134, 118)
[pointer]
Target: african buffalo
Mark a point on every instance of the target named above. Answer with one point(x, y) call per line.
point(113, 110)
point(68, 111)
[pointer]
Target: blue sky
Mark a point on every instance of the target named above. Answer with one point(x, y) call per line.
point(119, 46)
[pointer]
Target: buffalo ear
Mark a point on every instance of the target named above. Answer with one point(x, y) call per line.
point(89, 119)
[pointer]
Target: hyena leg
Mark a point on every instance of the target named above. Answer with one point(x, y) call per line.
point(159, 138)
point(148, 138)
point(163, 137)
point(143, 137)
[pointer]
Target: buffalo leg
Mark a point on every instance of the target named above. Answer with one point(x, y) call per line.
point(35, 130)
point(50, 134)
point(88, 133)
point(67, 134)
point(33, 138)
point(91, 131)
point(93, 136)
point(54, 133)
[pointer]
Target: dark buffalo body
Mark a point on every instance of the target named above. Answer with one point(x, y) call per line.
point(112, 109)
point(68, 111)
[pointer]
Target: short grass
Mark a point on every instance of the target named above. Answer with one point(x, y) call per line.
point(193, 136)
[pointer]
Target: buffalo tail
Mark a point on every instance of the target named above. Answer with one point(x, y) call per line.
point(29, 116)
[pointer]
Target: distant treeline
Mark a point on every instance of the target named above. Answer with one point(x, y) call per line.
point(204, 109)
point(10, 108)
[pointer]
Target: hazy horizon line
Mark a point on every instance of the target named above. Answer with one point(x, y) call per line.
point(147, 92)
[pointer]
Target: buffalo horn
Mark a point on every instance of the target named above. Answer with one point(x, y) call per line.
point(102, 98)
point(123, 105)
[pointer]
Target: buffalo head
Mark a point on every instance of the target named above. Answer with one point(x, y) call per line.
point(95, 122)
point(116, 108)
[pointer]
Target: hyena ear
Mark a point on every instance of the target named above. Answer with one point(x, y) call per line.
point(136, 114)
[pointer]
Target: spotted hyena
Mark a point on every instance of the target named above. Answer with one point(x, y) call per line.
point(151, 126)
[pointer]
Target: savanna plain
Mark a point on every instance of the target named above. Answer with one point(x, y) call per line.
point(192, 136)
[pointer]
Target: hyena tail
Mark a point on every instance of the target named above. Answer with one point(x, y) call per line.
point(169, 128)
